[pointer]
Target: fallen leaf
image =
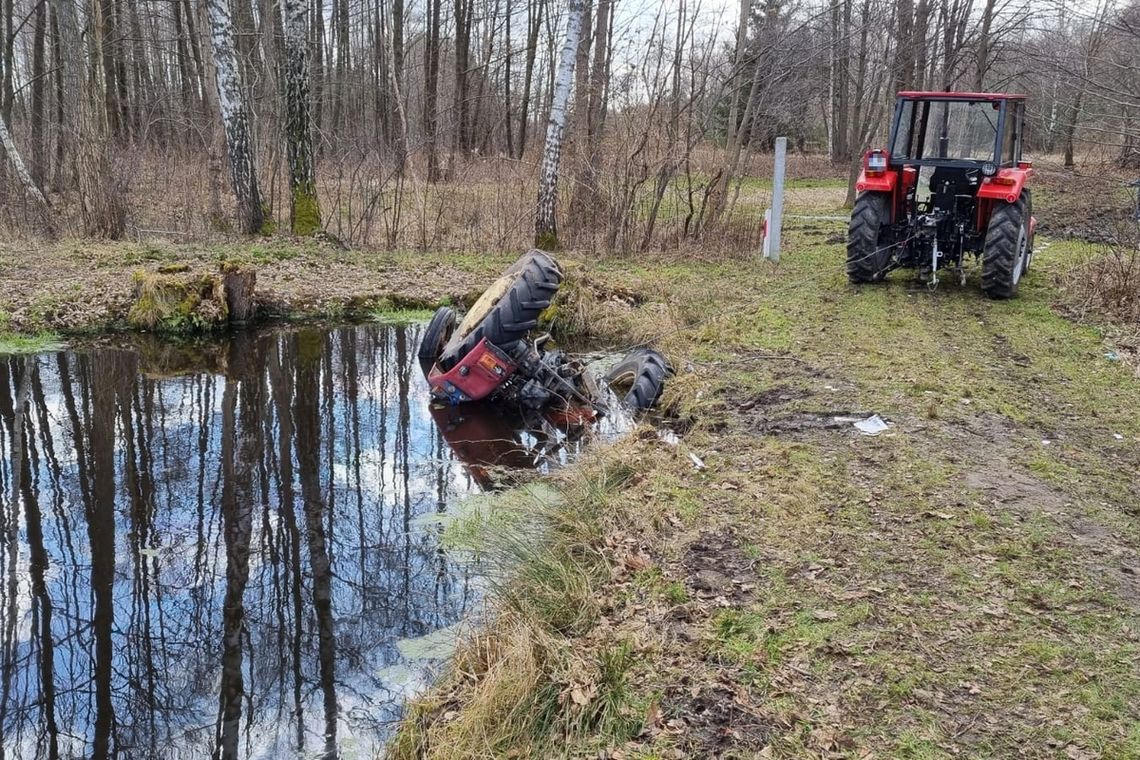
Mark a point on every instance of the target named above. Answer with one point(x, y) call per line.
point(939, 515)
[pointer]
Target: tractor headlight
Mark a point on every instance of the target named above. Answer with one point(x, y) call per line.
point(989, 169)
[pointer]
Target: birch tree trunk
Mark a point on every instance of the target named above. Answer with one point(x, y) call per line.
point(396, 85)
point(13, 154)
point(235, 120)
point(305, 212)
point(545, 223)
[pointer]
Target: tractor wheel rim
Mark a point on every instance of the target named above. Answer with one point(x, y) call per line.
point(1019, 264)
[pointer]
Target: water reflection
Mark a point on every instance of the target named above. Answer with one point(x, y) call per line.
point(221, 563)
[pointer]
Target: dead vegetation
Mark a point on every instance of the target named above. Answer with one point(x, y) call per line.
point(1107, 285)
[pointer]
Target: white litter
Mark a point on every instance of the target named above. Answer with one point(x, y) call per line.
point(1118, 436)
point(873, 425)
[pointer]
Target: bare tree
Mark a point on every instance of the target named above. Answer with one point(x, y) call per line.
point(534, 25)
point(546, 224)
point(235, 120)
point(29, 184)
point(431, 89)
point(99, 197)
point(304, 208)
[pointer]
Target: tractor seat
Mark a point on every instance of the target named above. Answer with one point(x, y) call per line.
point(959, 180)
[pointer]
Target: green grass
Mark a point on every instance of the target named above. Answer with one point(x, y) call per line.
point(400, 316)
point(944, 590)
point(17, 343)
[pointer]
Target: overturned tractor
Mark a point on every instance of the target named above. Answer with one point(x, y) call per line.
point(495, 354)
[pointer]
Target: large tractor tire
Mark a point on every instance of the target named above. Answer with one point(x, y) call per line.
point(868, 250)
point(643, 372)
point(507, 310)
point(1006, 252)
point(436, 335)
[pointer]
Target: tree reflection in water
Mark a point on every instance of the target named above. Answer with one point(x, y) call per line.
point(221, 563)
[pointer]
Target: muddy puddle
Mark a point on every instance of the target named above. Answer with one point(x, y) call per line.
point(229, 550)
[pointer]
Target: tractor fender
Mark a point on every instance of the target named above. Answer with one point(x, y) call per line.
point(1005, 186)
point(883, 183)
point(475, 376)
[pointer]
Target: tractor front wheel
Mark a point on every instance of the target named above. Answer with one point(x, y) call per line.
point(868, 252)
point(643, 372)
point(436, 335)
point(1006, 253)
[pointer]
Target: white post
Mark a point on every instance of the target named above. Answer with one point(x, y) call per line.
point(772, 250)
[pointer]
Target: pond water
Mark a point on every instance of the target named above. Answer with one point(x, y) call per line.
point(230, 551)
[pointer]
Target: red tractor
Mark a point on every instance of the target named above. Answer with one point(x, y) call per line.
point(493, 355)
point(951, 182)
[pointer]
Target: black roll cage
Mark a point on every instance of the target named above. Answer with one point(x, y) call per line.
point(956, 163)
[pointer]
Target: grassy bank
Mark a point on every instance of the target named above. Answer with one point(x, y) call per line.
point(75, 287)
point(964, 584)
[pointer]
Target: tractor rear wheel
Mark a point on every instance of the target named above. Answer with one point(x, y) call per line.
point(1006, 250)
point(868, 253)
point(507, 310)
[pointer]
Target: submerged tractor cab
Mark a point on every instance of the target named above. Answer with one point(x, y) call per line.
point(951, 182)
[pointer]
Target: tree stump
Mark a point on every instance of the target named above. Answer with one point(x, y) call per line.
point(178, 302)
point(239, 283)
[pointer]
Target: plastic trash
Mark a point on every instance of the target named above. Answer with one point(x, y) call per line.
point(873, 425)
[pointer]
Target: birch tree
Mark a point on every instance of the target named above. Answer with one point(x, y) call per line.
point(29, 184)
point(235, 119)
point(304, 210)
point(545, 223)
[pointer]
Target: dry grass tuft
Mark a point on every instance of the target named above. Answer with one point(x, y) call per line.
point(1108, 284)
point(597, 307)
point(545, 671)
